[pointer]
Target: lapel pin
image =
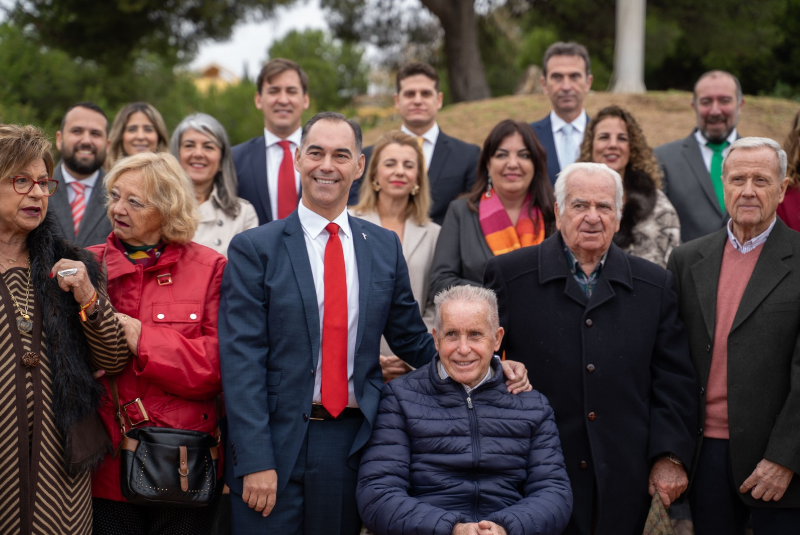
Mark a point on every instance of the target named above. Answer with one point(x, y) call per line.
point(364, 234)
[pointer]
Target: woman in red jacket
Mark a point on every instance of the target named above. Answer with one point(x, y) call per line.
point(166, 290)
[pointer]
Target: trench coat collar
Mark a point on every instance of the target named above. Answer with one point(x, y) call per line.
point(553, 266)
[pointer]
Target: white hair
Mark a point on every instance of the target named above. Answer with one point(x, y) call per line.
point(466, 293)
point(593, 169)
point(759, 143)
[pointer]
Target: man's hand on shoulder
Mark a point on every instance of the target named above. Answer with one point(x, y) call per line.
point(768, 481)
point(517, 377)
point(259, 490)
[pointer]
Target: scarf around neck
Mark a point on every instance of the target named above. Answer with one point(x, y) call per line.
point(500, 234)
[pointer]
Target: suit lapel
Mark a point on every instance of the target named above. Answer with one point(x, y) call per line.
point(258, 170)
point(544, 131)
point(769, 271)
point(59, 205)
point(298, 255)
point(553, 265)
point(441, 151)
point(615, 269)
point(363, 249)
point(413, 235)
point(691, 151)
point(95, 209)
point(705, 274)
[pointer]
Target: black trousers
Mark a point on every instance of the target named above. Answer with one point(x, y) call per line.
point(716, 506)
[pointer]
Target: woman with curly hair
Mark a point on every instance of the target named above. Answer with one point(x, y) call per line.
point(789, 209)
point(649, 227)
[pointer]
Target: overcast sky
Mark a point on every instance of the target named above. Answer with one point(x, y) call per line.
point(250, 42)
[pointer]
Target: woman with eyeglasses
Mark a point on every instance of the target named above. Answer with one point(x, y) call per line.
point(57, 329)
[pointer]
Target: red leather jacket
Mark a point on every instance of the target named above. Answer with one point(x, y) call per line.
point(176, 374)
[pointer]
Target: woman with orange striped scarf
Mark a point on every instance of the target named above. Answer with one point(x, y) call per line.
point(510, 206)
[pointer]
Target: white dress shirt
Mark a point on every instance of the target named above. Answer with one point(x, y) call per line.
point(750, 244)
point(316, 239)
point(579, 128)
point(429, 142)
point(708, 153)
point(89, 182)
point(274, 160)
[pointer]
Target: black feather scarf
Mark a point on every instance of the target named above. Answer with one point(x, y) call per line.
point(76, 394)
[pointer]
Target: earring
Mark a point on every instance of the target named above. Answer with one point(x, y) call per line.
point(489, 187)
point(376, 186)
point(415, 191)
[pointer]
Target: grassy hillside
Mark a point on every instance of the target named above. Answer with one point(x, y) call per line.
point(664, 116)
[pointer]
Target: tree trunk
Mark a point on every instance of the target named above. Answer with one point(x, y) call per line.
point(464, 66)
point(629, 48)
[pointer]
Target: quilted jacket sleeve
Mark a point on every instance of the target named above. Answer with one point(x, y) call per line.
point(384, 480)
point(547, 505)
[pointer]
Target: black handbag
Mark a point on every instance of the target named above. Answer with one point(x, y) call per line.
point(161, 466)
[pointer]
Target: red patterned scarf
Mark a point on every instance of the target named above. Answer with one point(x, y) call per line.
point(500, 233)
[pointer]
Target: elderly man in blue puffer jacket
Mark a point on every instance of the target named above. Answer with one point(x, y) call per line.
point(452, 451)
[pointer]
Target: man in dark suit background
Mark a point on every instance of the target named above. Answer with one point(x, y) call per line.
point(600, 331)
point(264, 164)
point(739, 296)
point(693, 165)
point(290, 316)
point(566, 79)
point(452, 164)
point(79, 202)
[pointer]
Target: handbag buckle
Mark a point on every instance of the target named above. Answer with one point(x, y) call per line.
point(142, 412)
point(164, 279)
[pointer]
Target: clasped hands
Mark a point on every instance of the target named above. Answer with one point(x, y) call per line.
point(484, 527)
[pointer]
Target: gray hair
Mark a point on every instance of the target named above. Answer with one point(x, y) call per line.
point(759, 143)
point(225, 180)
point(467, 293)
point(561, 48)
point(594, 169)
point(715, 74)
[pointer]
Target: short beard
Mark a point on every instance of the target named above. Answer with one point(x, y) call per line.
point(76, 166)
point(716, 139)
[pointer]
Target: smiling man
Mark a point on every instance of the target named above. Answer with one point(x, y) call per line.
point(566, 79)
point(739, 293)
point(79, 204)
point(693, 165)
point(451, 163)
point(264, 164)
point(305, 301)
point(599, 330)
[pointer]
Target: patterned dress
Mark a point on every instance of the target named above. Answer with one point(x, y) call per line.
point(655, 237)
point(36, 493)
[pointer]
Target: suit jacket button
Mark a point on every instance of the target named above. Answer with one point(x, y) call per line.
point(584, 465)
point(592, 416)
point(220, 222)
point(702, 391)
point(589, 323)
point(305, 417)
point(590, 368)
point(217, 242)
point(700, 431)
point(708, 348)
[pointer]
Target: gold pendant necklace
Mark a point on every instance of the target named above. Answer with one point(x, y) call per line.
point(24, 323)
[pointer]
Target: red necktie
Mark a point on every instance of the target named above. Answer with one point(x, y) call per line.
point(334, 326)
point(78, 204)
point(287, 186)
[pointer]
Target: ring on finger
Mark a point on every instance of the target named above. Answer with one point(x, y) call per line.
point(67, 272)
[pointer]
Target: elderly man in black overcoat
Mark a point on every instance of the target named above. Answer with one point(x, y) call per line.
point(739, 294)
point(599, 331)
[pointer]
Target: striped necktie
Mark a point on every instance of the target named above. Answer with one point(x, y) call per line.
point(78, 204)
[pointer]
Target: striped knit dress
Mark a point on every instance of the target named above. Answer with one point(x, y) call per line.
point(37, 496)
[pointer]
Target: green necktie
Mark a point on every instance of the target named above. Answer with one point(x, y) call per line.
point(716, 171)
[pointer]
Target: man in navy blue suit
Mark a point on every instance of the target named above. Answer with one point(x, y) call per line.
point(566, 79)
point(452, 164)
point(262, 162)
point(293, 322)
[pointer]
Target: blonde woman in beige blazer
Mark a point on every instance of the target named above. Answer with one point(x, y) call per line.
point(396, 195)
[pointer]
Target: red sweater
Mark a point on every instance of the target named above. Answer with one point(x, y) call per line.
point(734, 274)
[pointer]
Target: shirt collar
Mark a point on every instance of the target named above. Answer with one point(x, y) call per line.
point(314, 224)
point(575, 266)
point(89, 181)
point(430, 136)
point(489, 374)
point(271, 139)
point(579, 123)
point(701, 139)
point(749, 245)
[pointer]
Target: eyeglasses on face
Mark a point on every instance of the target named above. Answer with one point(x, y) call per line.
point(24, 184)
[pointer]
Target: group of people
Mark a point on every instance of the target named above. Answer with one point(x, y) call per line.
point(419, 336)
